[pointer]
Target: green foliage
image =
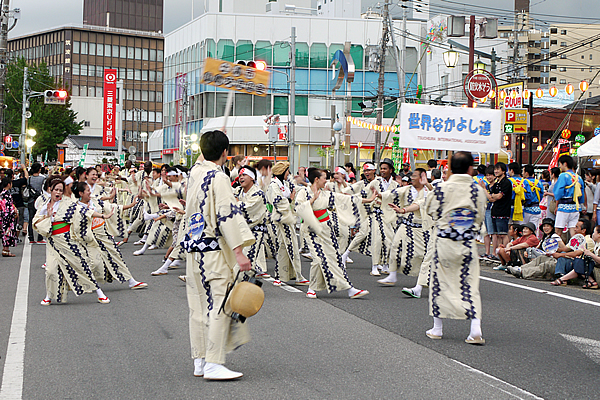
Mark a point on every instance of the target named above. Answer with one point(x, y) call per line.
point(53, 123)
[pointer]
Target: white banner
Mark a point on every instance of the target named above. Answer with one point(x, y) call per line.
point(450, 128)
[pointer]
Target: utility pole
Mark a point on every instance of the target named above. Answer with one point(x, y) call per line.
point(292, 120)
point(3, 62)
point(333, 157)
point(120, 118)
point(23, 116)
point(471, 48)
point(381, 82)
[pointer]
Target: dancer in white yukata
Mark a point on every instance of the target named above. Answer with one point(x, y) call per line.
point(411, 239)
point(457, 207)
point(217, 233)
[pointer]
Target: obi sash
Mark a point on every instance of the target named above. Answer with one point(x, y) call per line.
point(97, 222)
point(322, 215)
point(60, 227)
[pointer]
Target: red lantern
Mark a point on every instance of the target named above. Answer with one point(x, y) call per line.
point(584, 86)
point(539, 93)
point(566, 134)
point(553, 91)
point(569, 89)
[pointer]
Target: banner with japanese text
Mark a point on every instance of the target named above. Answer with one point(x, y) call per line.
point(450, 128)
point(110, 109)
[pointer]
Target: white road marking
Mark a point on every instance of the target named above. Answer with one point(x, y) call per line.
point(12, 378)
point(524, 392)
point(589, 347)
point(560, 295)
point(284, 286)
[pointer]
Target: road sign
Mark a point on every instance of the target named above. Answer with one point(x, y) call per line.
point(518, 119)
point(15, 144)
point(508, 128)
point(27, 114)
point(132, 149)
point(131, 158)
point(8, 139)
point(122, 160)
point(188, 152)
point(1, 146)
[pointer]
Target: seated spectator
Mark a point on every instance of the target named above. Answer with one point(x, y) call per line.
point(573, 259)
point(513, 234)
point(593, 283)
point(513, 253)
point(540, 263)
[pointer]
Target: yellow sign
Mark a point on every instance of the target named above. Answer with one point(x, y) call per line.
point(227, 75)
point(512, 97)
point(518, 119)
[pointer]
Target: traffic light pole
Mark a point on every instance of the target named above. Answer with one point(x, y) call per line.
point(23, 116)
point(120, 119)
point(292, 120)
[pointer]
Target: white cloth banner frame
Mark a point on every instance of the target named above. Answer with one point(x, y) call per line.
point(450, 128)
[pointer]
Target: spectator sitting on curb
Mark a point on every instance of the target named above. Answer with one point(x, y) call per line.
point(541, 264)
point(573, 260)
point(504, 256)
point(514, 252)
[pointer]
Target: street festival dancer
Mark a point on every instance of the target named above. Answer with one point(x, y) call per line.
point(211, 204)
point(457, 207)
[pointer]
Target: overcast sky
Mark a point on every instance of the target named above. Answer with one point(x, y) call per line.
point(43, 14)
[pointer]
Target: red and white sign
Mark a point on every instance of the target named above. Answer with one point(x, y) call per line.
point(478, 86)
point(168, 151)
point(110, 110)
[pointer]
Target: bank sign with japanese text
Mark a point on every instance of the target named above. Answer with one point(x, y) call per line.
point(110, 95)
point(450, 128)
point(227, 75)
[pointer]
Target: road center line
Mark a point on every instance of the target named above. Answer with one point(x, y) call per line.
point(542, 291)
point(12, 378)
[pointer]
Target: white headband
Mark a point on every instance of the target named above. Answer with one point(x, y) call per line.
point(172, 173)
point(368, 167)
point(245, 171)
point(68, 181)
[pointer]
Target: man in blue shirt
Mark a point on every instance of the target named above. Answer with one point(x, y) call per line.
point(533, 194)
point(569, 195)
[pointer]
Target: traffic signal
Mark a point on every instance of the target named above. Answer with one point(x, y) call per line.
point(366, 107)
point(257, 64)
point(58, 96)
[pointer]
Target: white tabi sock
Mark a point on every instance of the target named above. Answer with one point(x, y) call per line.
point(145, 237)
point(132, 282)
point(352, 291)
point(393, 275)
point(416, 290)
point(437, 327)
point(142, 250)
point(475, 328)
point(100, 293)
point(176, 263)
point(165, 266)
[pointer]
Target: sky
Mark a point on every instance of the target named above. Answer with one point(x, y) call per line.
point(37, 15)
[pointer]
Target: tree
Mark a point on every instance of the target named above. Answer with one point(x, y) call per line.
point(52, 122)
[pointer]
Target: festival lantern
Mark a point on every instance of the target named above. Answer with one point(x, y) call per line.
point(513, 94)
point(535, 140)
point(502, 95)
point(370, 127)
point(492, 94)
point(523, 146)
point(580, 138)
point(553, 91)
point(539, 148)
point(506, 143)
point(526, 94)
point(584, 86)
point(566, 134)
point(483, 99)
point(569, 89)
point(549, 141)
point(349, 119)
point(576, 145)
point(359, 145)
point(505, 137)
point(597, 131)
point(539, 93)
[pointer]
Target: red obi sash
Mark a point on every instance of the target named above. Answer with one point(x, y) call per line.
point(322, 215)
point(60, 227)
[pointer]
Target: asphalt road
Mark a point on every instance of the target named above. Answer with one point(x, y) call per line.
point(137, 347)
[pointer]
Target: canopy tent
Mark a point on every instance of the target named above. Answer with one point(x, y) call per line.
point(590, 149)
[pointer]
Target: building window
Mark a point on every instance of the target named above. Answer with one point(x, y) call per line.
point(159, 76)
point(563, 44)
point(159, 55)
point(122, 52)
point(82, 90)
point(144, 95)
point(115, 51)
point(552, 79)
point(152, 76)
point(562, 69)
point(86, 123)
point(91, 70)
point(107, 50)
point(137, 95)
point(130, 53)
point(75, 49)
point(91, 91)
point(159, 98)
point(138, 53)
point(553, 30)
point(129, 94)
point(590, 56)
point(100, 50)
point(122, 73)
point(563, 31)
point(130, 74)
point(137, 75)
point(263, 51)
point(226, 50)
point(99, 71)
point(563, 81)
point(75, 69)
point(152, 96)
point(145, 54)
point(92, 49)
point(144, 75)
point(99, 91)
point(444, 82)
point(83, 70)
point(75, 90)
point(152, 55)
point(84, 48)
point(318, 55)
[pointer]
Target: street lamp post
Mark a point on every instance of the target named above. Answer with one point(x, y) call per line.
point(144, 136)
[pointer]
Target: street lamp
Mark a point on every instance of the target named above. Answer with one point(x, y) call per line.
point(450, 58)
point(479, 66)
point(144, 135)
point(31, 132)
point(195, 147)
